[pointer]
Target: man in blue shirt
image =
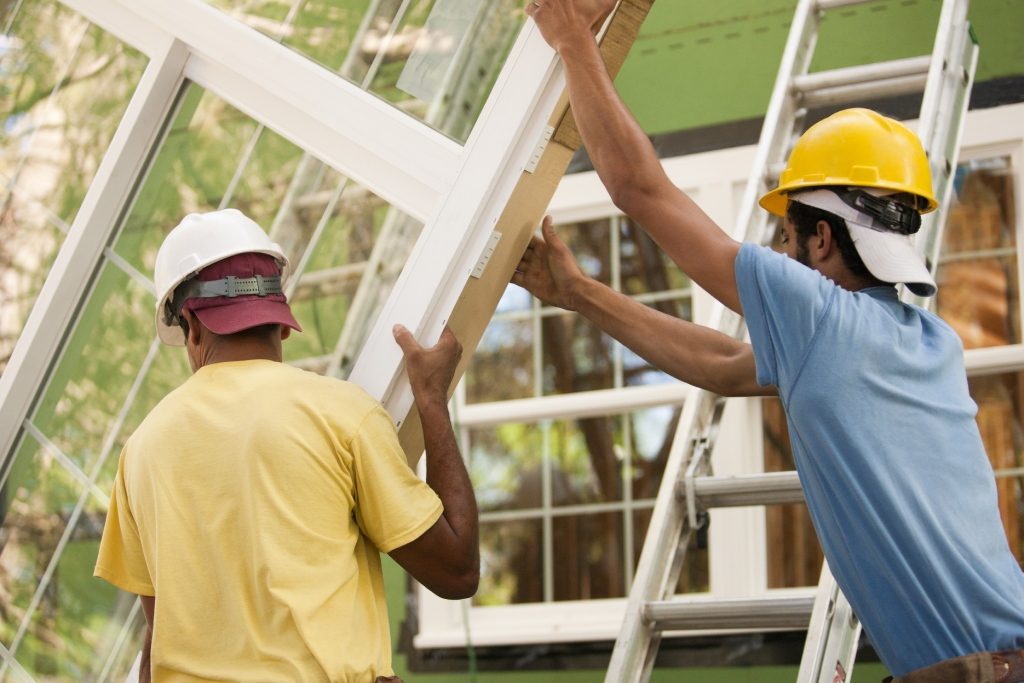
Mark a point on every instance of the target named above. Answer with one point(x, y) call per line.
point(896, 478)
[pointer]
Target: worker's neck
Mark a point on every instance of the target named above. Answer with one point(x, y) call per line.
point(249, 349)
point(854, 283)
point(836, 271)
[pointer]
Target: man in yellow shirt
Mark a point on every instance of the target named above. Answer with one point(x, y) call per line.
point(254, 500)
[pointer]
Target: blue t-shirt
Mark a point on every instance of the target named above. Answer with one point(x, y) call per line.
point(896, 478)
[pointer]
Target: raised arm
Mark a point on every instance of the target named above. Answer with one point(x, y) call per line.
point(623, 156)
point(692, 353)
point(445, 558)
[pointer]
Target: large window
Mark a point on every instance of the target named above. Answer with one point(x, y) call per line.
point(383, 216)
point(555, 474)
point(565, 502)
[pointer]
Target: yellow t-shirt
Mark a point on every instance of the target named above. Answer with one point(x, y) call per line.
point(253, 501)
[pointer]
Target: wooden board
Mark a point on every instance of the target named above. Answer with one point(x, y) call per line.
point(523, 214)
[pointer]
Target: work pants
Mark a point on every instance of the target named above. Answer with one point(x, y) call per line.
point(981, 667)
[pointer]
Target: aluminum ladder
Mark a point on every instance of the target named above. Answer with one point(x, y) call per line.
point(689, 488)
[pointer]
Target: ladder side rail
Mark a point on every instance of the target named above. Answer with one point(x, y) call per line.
point(935, 223)
point(830, 616)
point(776, 137)
point(952, 14)
point(942, 122)
point(633, 645)
point(843, 639)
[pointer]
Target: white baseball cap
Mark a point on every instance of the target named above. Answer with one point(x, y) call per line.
point(889, 255)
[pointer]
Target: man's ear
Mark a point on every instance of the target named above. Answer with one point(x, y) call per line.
point(192, 319)
point(822, 241)
point(285, 332)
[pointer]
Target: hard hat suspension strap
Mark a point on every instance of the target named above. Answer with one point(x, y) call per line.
point(230, 286)
point(891, 214)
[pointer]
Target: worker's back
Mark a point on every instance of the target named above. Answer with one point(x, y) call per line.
point(896, 477)
point(264, 495)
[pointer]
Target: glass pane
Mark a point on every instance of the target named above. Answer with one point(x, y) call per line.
point(192, 172)
point(694, 576)
point(794, 556)
point(577, 355)
point(505, 465)
point(28, 246)
point(502, 366)
point(979, 286)
point(588, 564)
point(591, 246)
point(36, 501)
point(587, 457)
point(64, 85)
point(77, 629)
point(511, 563)
point(645, 267)
point(435, 59)
point(652, 431)
point(97, 369)
point(1000, 410)
point(351, 270)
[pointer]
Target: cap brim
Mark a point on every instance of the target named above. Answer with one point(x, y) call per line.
point(891, 257)
point(242, 315)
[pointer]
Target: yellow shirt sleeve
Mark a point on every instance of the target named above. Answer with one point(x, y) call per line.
point(121, 558)
point(393, 506)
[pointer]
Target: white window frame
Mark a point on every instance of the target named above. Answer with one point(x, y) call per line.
point(736, 569)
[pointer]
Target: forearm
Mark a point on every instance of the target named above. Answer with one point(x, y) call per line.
point(144, 663)
point(447, 476)
point(689, 352)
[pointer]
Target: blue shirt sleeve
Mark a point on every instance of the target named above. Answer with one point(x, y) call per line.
point(783, 302)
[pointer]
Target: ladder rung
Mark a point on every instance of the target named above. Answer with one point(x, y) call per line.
point(785, 611)
point(864, 73)
point(892, 87)
point(772, 488)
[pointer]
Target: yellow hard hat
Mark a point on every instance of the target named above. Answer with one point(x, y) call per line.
point(855, 148)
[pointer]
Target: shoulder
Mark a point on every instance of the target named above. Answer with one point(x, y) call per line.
point(344, 404)
point(311, 383)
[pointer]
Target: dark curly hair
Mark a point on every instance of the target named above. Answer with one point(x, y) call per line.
point(805, 221)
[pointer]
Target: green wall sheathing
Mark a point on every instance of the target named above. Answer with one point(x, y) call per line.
point(698, 64)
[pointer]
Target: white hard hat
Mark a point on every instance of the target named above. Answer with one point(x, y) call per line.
point(201, 239)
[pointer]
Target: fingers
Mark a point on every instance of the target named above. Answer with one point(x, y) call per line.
point(551, 238)
point(405, 340)
point(448, 342)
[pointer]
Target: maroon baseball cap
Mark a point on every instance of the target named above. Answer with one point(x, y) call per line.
point(227, 315)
